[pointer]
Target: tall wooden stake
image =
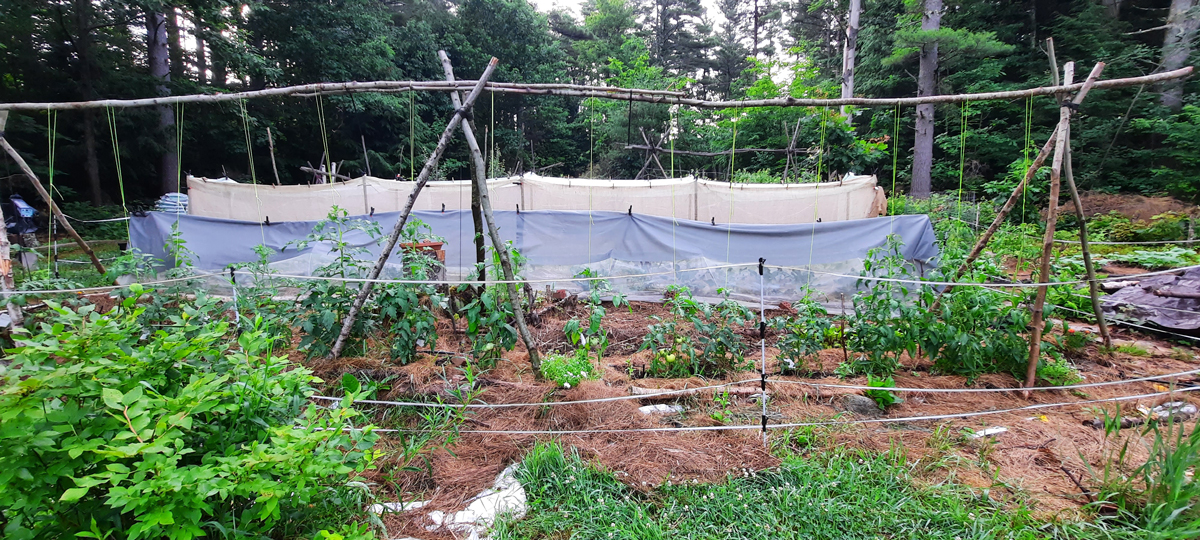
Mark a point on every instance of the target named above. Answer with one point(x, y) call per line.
point(271, 145)
point(37, 185)
point(485, 204)
point(1060, 155)
point(422, 179)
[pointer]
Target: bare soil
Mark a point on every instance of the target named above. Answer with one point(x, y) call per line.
point(1138, 207)
point(1045, 458)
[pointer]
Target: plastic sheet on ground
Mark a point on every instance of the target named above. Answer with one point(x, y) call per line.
point(1169, 301)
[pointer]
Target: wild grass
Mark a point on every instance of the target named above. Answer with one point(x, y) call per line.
point(846, 494)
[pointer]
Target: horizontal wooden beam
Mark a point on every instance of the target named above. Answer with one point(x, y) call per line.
point(665, 97)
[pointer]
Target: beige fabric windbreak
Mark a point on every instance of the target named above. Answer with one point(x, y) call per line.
point(855, 197)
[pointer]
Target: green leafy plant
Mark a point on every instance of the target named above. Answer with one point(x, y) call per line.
point(1058, 372)
point(672, 350)
point(567, 370)
point(323, 304)
point(886, 321)
point(593, 336)
point(109, 434)
point(803, 335)
point(412, 323)
point(883, 398)
point(489, 328)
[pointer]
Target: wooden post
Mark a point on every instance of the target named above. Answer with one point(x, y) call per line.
point(1060, 155)
point(422, 179)
point(271, 145)
point(37, 185)
point(7, 284)
point(485, 205)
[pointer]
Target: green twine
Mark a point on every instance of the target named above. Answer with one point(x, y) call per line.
point(249, 145)
point(821, 146)
point(178, 148)
point(111, 115)
point(324, 138)
point(962, 154)
point(412, 145)
point(1028, 143)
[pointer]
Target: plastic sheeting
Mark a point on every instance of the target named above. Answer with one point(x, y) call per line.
point(854, 197)
point(557, 245)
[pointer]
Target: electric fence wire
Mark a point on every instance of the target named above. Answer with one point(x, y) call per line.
point(902, 419)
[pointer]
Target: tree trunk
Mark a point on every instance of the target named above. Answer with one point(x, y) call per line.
point(1112, 7)
point(922, 169)
point(83, 50)
point(1182, 22)
point(158, 57)
point(174, 47)
point(201, 59)
point(849, 52)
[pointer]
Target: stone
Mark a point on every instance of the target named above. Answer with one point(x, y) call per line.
point(861, 405)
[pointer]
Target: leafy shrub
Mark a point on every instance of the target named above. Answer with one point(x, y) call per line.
point(977, 332)
point(803, 335)
point(593, 337)
point(718, 350)
point(107, 434)
point(569, 369)
point(412, 323)
point(886, 318)
point(488, 325)
point(883, 398)
point(323, 304)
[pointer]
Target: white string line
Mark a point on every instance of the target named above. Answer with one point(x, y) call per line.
point(1146, 243)
point(923, 418)
point(503, 282)
point(126, 218)
point(539, 404)
point(986, 390)
point(748, 381)
point(106, 288)
point(986, 285)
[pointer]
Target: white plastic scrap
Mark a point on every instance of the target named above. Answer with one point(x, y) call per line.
point(660, 409)
point(396, 507)
point(989, 432)
point(505, 497)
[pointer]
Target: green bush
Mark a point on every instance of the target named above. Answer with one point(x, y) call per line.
point(177, 434)
point(803, 335)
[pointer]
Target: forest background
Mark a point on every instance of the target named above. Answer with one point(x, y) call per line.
point(1139, 140)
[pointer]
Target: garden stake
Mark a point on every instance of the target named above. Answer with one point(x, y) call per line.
point(1060, 152)
point(459, 114)
point(485, 206)
point(762, 342)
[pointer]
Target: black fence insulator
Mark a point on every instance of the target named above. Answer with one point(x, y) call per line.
point(818, 220)
point(761, 262)
point(518, 209)
point(714, 220)
point(443, 208)
point(372, 214)
point(631, 210)
point(232, 276)
point(268, 221)
point(762, 329)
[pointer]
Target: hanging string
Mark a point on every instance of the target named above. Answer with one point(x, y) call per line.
point(112, 132)
point(895, 156)
point(591, 136)
point(262, 229)
point(324, 138)
point(821, 146)
point(249, 145)
point(178, 153)
point(1028, 142)
point(962, 155)
point(52, 144)
point(412, 145)
point(732, 155)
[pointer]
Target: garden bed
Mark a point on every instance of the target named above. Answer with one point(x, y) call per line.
point(1039, 460)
